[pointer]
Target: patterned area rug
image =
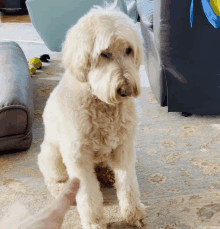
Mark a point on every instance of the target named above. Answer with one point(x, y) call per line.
point(178, 165)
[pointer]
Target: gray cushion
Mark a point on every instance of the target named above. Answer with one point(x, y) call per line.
point(16, 98)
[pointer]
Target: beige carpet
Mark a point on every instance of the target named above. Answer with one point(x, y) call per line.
point(178, 165)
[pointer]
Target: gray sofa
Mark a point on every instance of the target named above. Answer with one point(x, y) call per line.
point(182, 63)
point(16, 99)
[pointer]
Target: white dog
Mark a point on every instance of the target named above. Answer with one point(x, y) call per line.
point(90, 117)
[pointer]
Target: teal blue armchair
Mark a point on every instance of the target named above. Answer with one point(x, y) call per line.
point(52, 18)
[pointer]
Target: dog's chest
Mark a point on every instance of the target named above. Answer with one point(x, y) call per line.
point(106, 121)
point(106, 126)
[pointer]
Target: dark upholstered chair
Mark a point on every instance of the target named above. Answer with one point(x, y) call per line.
point(183, 63)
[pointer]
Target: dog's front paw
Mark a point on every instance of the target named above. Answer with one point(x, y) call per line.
point(135, 216)
point(55, 188)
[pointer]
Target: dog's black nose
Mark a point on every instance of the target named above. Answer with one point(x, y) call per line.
point(123, 95)
point(124, 91)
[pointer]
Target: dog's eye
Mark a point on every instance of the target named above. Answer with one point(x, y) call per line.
point(128, 51)
point(106, 55)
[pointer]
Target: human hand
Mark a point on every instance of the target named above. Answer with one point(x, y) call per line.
point(51, 216)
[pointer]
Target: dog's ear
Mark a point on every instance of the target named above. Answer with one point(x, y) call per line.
point(139, 52)
point(139, 55)
point(77, 49)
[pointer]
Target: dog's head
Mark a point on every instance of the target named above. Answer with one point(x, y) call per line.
point(104, 50)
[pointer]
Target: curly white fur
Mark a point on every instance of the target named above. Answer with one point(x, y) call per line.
point(90, 117)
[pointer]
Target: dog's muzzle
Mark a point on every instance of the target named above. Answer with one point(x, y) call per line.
point(125, 91)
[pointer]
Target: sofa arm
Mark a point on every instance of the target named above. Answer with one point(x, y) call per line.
point(16, 98)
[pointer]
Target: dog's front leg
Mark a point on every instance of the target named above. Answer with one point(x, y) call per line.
point(123, 163)
point(89, 197)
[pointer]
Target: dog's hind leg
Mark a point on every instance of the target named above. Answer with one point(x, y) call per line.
point(51, 165)
point(105, 175)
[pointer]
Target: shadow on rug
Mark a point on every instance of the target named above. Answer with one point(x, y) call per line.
point(178, 165)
